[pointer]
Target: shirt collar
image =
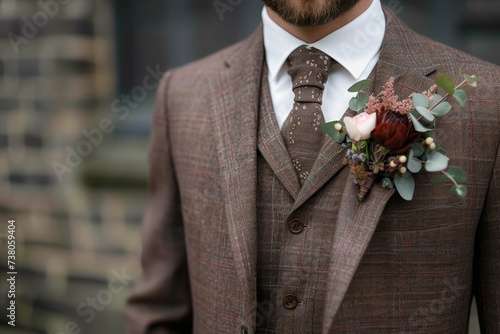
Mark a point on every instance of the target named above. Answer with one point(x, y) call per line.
point(353, 46)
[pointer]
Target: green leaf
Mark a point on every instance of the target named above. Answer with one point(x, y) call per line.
point(458, 174)
point(446, 83)
point(459, 191)
point(461, 97)
point(414, 165)
point(440, 149)
point(405, 185)
point(420, 100)
point(471, 80)
point(353, 104)
point(418, 149)
point(359, 102)
point(454, 174)
point(441, 179)
point(330, 130)
point(387, 183)
point(441, 109)
point(417, 125)
point(435, 99)
point(359, 86)
point(425, 114)
point(436, 162)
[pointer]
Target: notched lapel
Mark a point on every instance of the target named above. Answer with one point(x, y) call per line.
point(234, 109)
point(356, 222)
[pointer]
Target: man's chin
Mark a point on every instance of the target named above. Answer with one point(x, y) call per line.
point(310, 13)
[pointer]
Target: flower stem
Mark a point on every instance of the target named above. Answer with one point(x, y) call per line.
point(447, 95)
point(448, 176)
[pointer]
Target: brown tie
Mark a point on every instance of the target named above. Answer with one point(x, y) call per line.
point(302, 132)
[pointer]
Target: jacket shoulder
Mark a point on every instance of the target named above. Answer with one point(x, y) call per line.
point(451, 59)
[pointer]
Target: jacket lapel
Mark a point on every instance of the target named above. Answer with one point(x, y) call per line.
point(354, 229)
point(356, 222)
point(235, 109)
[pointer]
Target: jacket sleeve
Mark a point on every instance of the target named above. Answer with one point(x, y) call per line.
point(487, 257)
point(161, 299)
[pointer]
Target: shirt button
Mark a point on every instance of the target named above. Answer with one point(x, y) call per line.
point(290, 302)
point(296, 226)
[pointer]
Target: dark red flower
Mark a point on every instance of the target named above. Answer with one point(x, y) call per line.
point(394, 131)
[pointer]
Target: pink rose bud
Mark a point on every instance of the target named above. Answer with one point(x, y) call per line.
point(361, 126)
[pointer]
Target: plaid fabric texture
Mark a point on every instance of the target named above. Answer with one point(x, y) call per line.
point(393, 266)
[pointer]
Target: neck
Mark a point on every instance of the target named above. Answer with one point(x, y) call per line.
point(314, 34)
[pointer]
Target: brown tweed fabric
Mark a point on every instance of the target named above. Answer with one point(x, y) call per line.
point(293, 246)
point(389, 266)
point(309, 68)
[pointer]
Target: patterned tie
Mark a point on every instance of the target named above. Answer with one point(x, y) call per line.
point(302, 132)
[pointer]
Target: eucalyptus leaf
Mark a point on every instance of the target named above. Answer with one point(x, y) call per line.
point(441, 179)
point(458, 174)
point(420, 100)
point(432, 134)
point(436, 162)
point(418, 149)
point(461, 97)
point(471, 80)
point(405, 185)
point(446, 83)
point(361, 102)
point(414, 165)
point(441, 109)
point(435, 99)
point(387, 183)
point(417, 125)
point(425, 114)
point(441, 150)
point(330, 130)
point(459, 191)
point(455, 174)
point(359, 86)
point(353, 104)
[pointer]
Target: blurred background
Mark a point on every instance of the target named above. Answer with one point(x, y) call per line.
point(77, 84)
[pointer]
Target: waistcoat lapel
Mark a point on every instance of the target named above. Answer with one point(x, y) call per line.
point(271, 143)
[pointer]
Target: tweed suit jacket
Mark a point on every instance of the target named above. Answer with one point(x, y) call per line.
point(395, 266)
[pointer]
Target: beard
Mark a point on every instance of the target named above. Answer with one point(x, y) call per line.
point(310, 13)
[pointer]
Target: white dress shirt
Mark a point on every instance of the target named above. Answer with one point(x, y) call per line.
point(356, 48)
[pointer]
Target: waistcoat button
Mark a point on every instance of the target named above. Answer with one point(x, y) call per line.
point(296, 226)
point(290, 302)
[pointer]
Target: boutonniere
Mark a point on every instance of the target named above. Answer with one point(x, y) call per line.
point(392, 139)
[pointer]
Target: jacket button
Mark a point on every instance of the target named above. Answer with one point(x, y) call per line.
point(296, 226)
point(290, 302)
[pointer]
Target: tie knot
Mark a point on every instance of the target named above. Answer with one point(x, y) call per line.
point(309, 67)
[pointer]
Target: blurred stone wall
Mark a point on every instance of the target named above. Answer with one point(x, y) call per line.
point(57, 74)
